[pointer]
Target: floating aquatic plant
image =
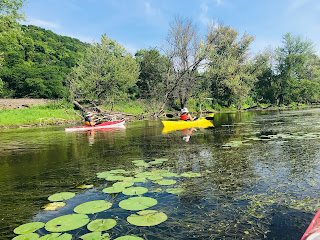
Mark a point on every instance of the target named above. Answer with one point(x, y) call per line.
point(28, 236)
point(113, 189)
point(67, 223)
point(138, 203)
point(61, 196)
point(28, 228)
point(167, 182)
point(100, 225)
point(93, 207)
point(123, 184)
point(54, 206)
point(135, 191)
point(85, 186)
point(129, 237)
point(114, 178)
point(169, 174)
point(175, 190)
point(57, 236)
point(190, 174)
point(147, 218)
point(96, 236)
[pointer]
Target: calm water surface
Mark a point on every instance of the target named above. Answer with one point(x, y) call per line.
point(259, 175)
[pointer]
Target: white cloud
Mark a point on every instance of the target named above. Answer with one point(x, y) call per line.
point(42, 23)
point(151, 10)
point(296, 4)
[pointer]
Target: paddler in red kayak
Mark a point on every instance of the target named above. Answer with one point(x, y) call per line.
point(185, 115)
point(88, 119)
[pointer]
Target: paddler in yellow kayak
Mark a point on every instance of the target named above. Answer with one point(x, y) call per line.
point(185, 115)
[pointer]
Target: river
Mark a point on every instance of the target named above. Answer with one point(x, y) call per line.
point(256, 175)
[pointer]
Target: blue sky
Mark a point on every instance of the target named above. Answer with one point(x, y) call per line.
point(140, 24)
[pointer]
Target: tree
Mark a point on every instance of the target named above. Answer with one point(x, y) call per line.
point(106, 72)
point(263, 88)
point(153, 67)
point(231, 74)
point(9, 26)
point(293, 61)
point(186, 53)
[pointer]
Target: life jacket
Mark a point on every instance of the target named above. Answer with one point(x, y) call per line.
point(184, 117)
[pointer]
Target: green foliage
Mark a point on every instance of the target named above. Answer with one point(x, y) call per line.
point(51, 112)
point(230, 72)
point(293, 60)
point(37, 64)
point(153, 67)
point(106, 72)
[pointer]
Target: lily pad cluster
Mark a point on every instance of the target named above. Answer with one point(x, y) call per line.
point(123, 183)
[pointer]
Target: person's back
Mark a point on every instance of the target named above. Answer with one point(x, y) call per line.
point(88, 120)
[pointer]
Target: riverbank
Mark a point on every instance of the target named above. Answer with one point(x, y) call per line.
point(18, 113)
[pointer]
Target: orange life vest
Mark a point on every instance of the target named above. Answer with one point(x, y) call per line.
point(184, 117)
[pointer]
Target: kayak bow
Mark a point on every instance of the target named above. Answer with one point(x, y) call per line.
point(99, 126)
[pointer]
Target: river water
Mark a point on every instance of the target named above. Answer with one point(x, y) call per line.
point(258, 175)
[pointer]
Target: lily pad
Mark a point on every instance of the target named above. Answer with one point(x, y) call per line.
point(117, 189)
point(67, 222)
point(162, 159)
point(147, 218)
point(123, 184)
point(142, 164)
point(61, 196)
point(119, 171)
point(135, 191)
point(137, 179)
point(104, 174)
point(155, 162)
point(138, 203)
point(129, 237)
point(54, 206)
point(57, 236)
point(100, 225)
point(28, 236)
point(175, 190)
point(114, 178)
point(169, 174)
point(96, 236)
point(155, 177)
point(85, 186)
point(93, 207)
point(167, 182)
point(28, 228)
point(190, 174)
point(144, 174)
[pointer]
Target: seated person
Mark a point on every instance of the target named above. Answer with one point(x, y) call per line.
point(185, 115)
point(88, 119)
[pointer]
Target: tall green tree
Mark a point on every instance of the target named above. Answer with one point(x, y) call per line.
point(293, 62)
point(152, 76)
point(230, 71)
point(263, 88)
point(10, 13)
point(106, 72)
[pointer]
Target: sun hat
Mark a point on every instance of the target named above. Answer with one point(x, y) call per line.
point(184, 110)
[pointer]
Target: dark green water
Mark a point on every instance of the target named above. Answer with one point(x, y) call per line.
point(264, 184)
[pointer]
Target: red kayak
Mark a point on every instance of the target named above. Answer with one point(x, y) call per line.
point(313, 231)
point(99, 126)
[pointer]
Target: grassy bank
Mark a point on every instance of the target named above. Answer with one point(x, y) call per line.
point(39, 114)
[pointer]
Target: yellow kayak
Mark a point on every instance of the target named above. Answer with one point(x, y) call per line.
point(178, 125)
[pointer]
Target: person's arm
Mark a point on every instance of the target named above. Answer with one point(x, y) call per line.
point(190, 118)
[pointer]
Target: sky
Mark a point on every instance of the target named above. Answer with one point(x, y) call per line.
point(144, 24)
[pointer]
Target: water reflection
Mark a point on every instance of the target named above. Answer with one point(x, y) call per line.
point(265, 185)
